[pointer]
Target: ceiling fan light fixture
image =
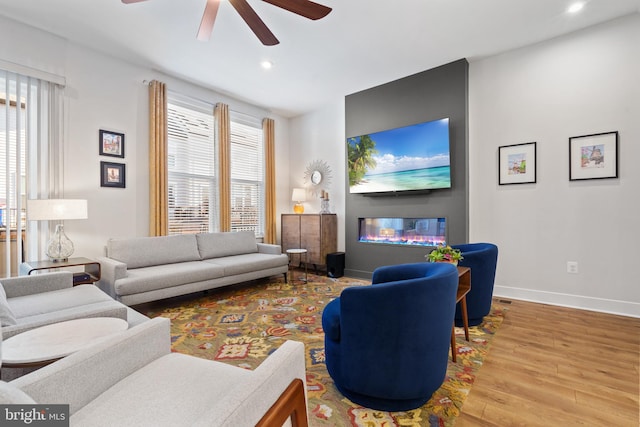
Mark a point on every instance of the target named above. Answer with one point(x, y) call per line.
point(266, 64)
point(305, 8)
point(575, 7)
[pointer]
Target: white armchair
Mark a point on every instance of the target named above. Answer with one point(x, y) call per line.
point(27, 302)
point(133, 379)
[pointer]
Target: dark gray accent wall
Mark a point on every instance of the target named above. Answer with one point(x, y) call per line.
point(430, 95)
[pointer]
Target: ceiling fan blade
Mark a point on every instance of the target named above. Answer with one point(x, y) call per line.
point(305, 8)
point(208, 19)
point(254, 22)
point(132, 1)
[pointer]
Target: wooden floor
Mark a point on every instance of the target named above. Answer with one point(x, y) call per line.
point(555, 366)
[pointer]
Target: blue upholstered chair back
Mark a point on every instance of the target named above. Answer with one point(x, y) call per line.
point(387, 345)
point(482, 258)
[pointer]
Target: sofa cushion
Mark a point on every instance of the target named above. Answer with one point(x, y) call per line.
point(147, 251)
point(82, 301)
point(248, 263)
point(135, 317)
point(195, 384)
point(147, 279)
point(62, 299)
point(215, 245)
point(7, 317)
point(12, 395)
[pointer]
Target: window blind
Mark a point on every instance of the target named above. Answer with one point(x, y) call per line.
point(30, 163)
point(247, 174)
point(193, 169)
point(12, 154)
point(192, 184)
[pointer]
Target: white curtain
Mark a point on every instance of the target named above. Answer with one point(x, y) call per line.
point(31, 157)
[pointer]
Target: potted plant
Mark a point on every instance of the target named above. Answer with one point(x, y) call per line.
point(444, 254)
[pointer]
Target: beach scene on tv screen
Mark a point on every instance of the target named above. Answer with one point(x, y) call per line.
point(409, 158)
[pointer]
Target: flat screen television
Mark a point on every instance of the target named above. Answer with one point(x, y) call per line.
point(410, 158)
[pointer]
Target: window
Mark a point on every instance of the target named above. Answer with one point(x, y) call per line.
point(30, 131)
point(193, 169)
point(12, 161)
point(191, 156)
point(247, 174)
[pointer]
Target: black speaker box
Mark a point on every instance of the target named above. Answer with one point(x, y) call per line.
point(335, 264)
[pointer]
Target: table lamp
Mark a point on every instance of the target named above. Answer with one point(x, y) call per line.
point(59, 247)
point(299, 195)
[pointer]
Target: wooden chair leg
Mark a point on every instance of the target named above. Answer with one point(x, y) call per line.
point(291, 404)
point(453, 344)
point(465, 317)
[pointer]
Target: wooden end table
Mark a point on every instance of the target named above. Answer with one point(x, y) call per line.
point(464, 286)
point(89, 266)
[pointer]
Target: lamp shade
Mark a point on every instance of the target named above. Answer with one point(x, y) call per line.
point(56, 209)
point(299, 195)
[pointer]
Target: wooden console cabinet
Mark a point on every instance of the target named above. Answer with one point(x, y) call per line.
point(317, 233)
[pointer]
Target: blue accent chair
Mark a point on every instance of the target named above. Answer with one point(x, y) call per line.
point(482, 259)
point(387, 345)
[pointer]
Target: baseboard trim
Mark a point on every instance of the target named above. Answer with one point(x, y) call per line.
point(358, 274)
point(621, 308)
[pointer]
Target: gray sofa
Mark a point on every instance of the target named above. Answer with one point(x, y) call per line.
point(142, 269)
point(133, 379)
point(28, 302)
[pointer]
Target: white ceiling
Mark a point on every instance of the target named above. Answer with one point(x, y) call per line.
point(360, 44)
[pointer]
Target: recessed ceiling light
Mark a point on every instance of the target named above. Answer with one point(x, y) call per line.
point(576, 7)
point(267, 65)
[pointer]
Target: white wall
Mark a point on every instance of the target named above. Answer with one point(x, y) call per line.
point(580, 84)
point(583, 83)
point(103, 92)
point(320, 136)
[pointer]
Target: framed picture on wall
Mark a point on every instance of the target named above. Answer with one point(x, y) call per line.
point(111, 143)
point(593, 156)
point(517, 164)
point(112, 175)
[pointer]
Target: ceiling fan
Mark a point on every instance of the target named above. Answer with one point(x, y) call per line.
point(305, 8)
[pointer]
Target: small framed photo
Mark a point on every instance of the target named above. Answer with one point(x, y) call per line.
point(593, 156)
point(517, 164)
point(112, 175)
point(111, 143)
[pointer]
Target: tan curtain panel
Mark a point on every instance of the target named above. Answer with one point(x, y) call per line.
point(223, 135)
point(268, 128)
point(158, 182)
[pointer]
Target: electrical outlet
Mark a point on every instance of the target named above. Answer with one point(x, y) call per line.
point(572, 267)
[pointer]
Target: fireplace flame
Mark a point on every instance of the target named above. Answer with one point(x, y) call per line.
point(404, 240)
point(403, 231)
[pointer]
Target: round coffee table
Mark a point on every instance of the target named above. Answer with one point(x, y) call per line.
point(40, 346)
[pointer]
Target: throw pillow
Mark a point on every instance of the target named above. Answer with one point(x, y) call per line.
point(6, 315)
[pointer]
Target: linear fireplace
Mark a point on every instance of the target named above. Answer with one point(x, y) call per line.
point(403, 231)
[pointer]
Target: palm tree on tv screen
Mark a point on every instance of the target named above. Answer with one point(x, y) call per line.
point(361, 159)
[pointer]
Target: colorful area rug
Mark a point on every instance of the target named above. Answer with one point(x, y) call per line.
point(243, 324)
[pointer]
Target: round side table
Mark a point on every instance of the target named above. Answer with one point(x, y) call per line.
point(40, 346)
point(291, 252)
